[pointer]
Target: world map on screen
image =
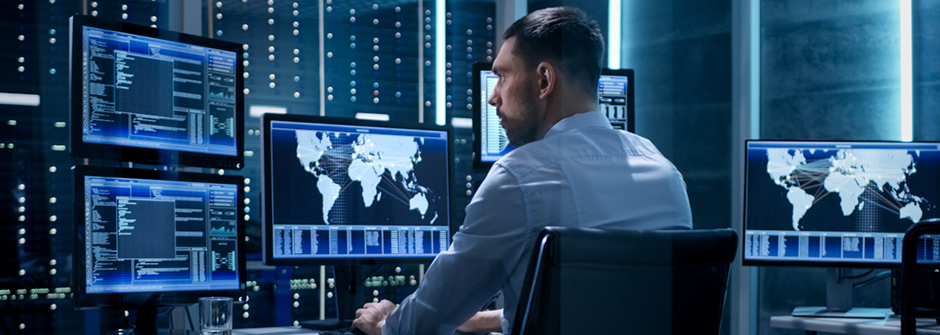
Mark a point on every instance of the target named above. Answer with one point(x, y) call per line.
point(368, 160)
point(858, 177)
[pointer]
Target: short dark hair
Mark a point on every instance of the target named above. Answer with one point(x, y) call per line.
point(564, 35)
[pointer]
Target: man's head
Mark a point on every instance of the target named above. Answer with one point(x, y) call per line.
point(563, 36)
point(548, 66)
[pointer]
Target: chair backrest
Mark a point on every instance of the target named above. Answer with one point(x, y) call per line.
point(591, 281)
point(919, 285)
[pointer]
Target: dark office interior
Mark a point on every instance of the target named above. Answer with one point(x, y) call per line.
point(710, 78)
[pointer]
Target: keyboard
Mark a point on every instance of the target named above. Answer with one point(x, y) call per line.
point(331, 327)
point(344, 331)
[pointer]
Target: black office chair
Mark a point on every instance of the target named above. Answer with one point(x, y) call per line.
point(590, 281)
point(920, 279)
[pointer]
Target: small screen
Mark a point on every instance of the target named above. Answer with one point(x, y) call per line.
point(614, 93)
point(345, 191)
point(495, 144)
point(151, 93)
point(928, 249)
point(836, 202)
point(147, 235)
point(612, 97)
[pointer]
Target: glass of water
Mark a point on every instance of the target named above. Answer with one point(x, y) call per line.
point(215, 315)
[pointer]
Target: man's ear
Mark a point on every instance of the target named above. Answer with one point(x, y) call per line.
point(548, 79)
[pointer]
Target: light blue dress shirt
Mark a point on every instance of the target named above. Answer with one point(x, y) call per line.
point(582, 174)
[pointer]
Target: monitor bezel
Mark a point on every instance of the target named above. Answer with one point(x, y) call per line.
point(827, 264)
point(479, 165)
point(84, 300)
point(266, 201)
point(152, 156)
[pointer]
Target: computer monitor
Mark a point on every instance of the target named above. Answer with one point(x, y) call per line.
point(614, 94)
point(147, 239)
point(347, 192)
point(836, 203)
point(154, 96)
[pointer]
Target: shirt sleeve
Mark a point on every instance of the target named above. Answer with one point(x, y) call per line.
point(479, 262)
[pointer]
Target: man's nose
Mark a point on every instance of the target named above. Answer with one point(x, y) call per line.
point(494, 100)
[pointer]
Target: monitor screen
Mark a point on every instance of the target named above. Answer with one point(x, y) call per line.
point(494, 143)
point(153, 96)
point(615, 97)
point(836, 203)
point(490, 143)
point(157, 238)
point(344, 191)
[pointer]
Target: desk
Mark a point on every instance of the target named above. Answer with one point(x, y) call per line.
point(887, 326)
point(288, 330)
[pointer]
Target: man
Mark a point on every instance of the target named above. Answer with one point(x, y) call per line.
point(570, 169)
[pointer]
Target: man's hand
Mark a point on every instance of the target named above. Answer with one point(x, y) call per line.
point(483, 322)
point(371, 317)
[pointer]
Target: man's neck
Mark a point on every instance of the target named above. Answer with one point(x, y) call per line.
point(560, 108)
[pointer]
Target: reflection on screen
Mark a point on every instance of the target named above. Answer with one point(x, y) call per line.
point(344, 191)
point(837, 201)
point(144, 92)
point(145, 235)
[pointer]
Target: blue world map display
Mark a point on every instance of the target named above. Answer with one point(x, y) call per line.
point(367, 160)
point(874, 188)
point(343, 177)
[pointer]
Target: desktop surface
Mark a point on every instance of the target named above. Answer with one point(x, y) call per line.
point(290, 330)
point(884, 326)
point(890, 325)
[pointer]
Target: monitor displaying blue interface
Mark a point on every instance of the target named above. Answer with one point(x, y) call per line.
point(614, 94)
point(147, 231)
point(928, 249)
point(137, 88)
point(836, 203)
point(340, 190)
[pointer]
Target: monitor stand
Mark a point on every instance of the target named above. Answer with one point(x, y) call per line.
point(146, 321)
point(839, 301)
point(348, 300)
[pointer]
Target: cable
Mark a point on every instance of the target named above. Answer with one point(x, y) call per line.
point(366, 277)
point(841, 277)
point(3, 325)
point(876, 277)
point(189, 317)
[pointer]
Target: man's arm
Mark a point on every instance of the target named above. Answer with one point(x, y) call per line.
point(477, 265)
point(483, 322)
point(371, 317)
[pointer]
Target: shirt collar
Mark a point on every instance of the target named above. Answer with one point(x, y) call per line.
point(580, 120)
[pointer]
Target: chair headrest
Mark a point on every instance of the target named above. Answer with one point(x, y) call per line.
point(658, 247)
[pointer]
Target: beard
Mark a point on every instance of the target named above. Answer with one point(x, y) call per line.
point(523, 129)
